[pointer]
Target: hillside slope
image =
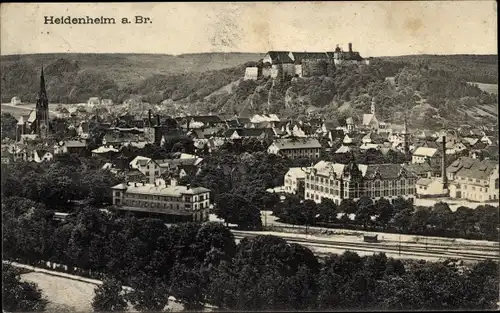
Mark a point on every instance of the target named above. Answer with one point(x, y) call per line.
point(85, 75)
point(431, 90)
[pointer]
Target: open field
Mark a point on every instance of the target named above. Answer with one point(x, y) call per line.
point(491, 88)
point(64, 295)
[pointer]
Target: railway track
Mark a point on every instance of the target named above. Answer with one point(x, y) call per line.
point(431, 250)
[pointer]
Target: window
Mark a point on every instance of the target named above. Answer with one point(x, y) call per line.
point(307, 185)
point(321, 188)
point(496, 183)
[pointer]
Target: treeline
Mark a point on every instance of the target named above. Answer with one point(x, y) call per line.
point(202, 264)
point(401, 216)
point(19, 295)
point(59, 183)
point(475, 68)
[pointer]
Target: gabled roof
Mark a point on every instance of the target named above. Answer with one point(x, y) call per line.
point(298, 57)
point(75, 144)
point(424, 151)
point(473, 168)
point(280, 57)
point(367, 118)
point(205, 119)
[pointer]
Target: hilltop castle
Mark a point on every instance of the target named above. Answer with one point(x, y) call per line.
point(303, 64)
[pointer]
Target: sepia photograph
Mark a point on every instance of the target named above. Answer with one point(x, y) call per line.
point(250, 156)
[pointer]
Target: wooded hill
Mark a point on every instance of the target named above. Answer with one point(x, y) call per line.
point(425, 86)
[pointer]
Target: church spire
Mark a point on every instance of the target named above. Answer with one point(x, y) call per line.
point(42, 94)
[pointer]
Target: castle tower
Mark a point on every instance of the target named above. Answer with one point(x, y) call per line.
point(372, 109)
point(42, 110)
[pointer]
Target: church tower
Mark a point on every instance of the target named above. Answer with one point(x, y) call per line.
point(42, 110)
point(372, 109)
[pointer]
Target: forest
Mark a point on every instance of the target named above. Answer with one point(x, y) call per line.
point(203, 265)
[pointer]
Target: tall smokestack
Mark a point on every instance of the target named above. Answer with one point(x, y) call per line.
point(350, 47)
point(149, 118)
point(443, 165)
point(157, 119)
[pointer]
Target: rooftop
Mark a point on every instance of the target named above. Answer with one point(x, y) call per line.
point(160, 190)
point(299, 143)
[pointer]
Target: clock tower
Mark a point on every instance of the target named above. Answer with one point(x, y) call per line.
point(42, 110)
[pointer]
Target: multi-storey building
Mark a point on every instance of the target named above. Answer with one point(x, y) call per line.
point(293, 179)
point(473, 179)
point(351, 181)
point(175, 202)
point(296, 147)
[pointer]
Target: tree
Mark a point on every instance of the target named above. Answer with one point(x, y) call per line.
point(365, 210)
point(108, 297)
point(149, 294)
point(402, 220)
point(327, 210)
point(20, 296)
point(9, 126)
point(348, 206)
point(441, 216)
point(384, 211)
point(236, 209)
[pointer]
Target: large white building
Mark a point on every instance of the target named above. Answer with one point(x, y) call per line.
point(293, 178)
point(179, 203)
point(473, 180)
point(351, 181)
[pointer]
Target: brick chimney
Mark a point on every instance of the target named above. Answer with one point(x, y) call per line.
point(443, 166)
point(350, 47)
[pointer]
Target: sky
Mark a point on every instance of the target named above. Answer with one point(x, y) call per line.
point(374, 28)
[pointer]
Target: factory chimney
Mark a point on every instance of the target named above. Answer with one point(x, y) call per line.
point(350, 47)
point(443, 167)
point(149, 118)
point(157, 119)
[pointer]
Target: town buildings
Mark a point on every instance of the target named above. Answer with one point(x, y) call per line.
point(296, 147)
point(473, 180)
point(294, 180)
point(303, 64)
point(352, 181)
point(172, 202)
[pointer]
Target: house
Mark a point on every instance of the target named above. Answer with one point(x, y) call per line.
point(83, 130)
point(93, 101)
point(473, 179)
point(489, 140)
point(296, 147)
point(337, 181)
point(240, 133)
point(104, 151)
point(430, 188)
point(256, 119)
point(251, 73)
point(181, 167)
point(424, 154)
point(423, 170)
point(40, 155)
point(294, 178)
point(173, 202)
point(201, 121)
point(71, 146)
point(106, 102)
point(15, 101)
